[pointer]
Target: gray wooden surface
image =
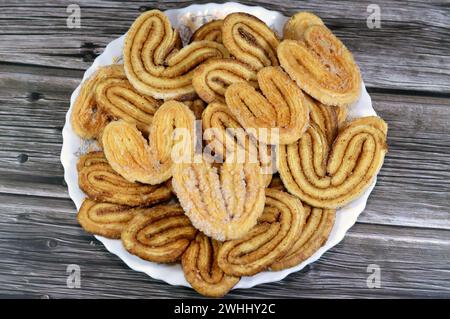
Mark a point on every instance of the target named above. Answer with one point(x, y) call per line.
point(404, 229)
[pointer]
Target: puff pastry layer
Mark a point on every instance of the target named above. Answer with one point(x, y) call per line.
point(154, 63)
point(322, 66)
point(201, 270)
point(280, 105)
point(271, 239)
point(150, 162)
point(160, 234)
point(332, 177)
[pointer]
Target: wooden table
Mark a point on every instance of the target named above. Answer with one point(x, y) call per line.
point(404, 229)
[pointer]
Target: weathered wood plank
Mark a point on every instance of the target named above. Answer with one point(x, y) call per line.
point(412, 187)
point(36, 33)
point(33, 105)
point(42, 146)
point(29, 185)
point(40, 237)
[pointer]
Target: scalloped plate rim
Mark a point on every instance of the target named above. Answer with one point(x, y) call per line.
point(173, 274)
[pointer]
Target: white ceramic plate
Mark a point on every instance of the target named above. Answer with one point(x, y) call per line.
point(187, 20)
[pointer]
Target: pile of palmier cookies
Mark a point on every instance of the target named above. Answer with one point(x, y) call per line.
point(224, 219)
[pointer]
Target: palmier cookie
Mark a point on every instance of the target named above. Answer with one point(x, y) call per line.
point(149, 162)
point(201, 270)
point(160, 234)
point(116, 96)
point(212, 78)
point(269, 240)
point(253, 46)
point(331, 177)
point(222, 201)
point(295, 26)
point(101, 183)
point(328, 118)
point(279, 107)
point(250, 40)
point(105, 219)
point(156, 66)
point(322, 66)
point(318, 226)
point(91, 158)
point(87, 119)
point(211, 31)
point(227, 138)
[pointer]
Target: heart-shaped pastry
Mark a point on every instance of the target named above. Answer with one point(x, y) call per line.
point(328, 118)
point(331, 177)
point(318, 226)
point(276, 232)
point(250, 40)
point(116, 96)
point(211, 31)
point(253, 46)
point(222, 201)
point(295, 26)
point(279, 108)
point(102, 183)
point(87, 119)
point(160, 234)
point(226, 137)
point(212, 78)
point(322, 66)
point(154, 63)
point(149, 162)
point(201, 270)
point(105, 219)
point(91, 158)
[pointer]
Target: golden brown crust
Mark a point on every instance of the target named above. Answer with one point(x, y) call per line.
point(211, 31)
point(271, 239)
point(160, 234)
point(225, 202)
point(201, 270)
point(250, 40)
point(153, 63)
point(117, 97)
point(91, 158)
point(342, 113)
point(253, 45)
point(280, 106)
point(105, 219)
point(313, 236)
point(149, 162)
point(227, 138)
point(322, 66)
point(325, 117)
point(86, 118)
point(333, 179)
point(212, 78)
point(101, 183)
point(295, 27)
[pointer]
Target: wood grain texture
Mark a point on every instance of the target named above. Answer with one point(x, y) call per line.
point(404, 228)
point(40, 237)
point(402, 64)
